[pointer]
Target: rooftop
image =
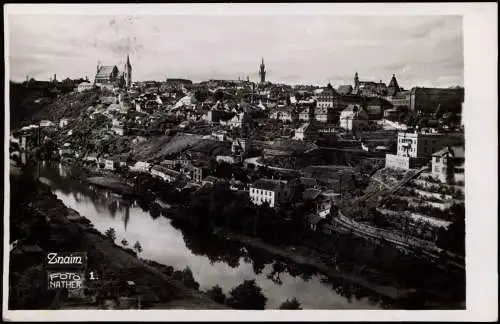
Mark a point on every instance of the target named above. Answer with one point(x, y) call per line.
point(313, 219)
point(105, 71)
point(267, 184)
point(308, 181)
point(165, 170)
point(311, 194)
point(455, 151)
point(211, 179)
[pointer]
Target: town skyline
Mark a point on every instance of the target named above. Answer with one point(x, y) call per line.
point(428, 51)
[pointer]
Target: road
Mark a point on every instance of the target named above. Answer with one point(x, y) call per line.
point(254, 161)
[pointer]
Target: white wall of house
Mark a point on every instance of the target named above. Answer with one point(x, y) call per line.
point(259, 196)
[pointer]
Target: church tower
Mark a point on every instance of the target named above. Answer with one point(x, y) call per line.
point(262, 72)
point(128, 73)
point(356, 81)
point(393, 86)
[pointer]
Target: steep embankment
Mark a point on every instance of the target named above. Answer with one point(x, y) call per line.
point(67, 105)
point(165, 145)
point(32, 104)
point(38, 217)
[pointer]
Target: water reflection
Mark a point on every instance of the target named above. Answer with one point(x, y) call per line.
point(213, 261)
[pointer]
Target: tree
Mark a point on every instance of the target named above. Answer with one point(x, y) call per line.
point(247, 295)
point(290, 304)
point(186, 277)
point(439, 112)
point(138, 247)
point(111, 234)
point(201, 95)
point(216, 294)
point(124, 242)
point(218, 95)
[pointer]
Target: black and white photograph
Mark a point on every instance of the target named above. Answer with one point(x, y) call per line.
point(246, 160)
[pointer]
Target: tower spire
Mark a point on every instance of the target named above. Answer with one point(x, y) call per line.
point(128, 72)
point(262, 71)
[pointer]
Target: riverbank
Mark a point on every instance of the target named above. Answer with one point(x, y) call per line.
point(359, 273)
point(315, 261)
point(111, 183)
point(41, 208)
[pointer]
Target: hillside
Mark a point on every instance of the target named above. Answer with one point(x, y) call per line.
point(67, 105)
point(164, 145)
point(33, 104)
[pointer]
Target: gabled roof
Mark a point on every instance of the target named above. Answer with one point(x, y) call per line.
point(267, 184)
point(455, 151)
point(303, 127)
point(165, 170)
point(344, 89)
point(210, 179)
point(308, 181)
point(393, 83)
point(311, 194)
point(352, 108)
point(105, 71)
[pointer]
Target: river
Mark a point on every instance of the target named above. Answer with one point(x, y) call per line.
point(166, 244)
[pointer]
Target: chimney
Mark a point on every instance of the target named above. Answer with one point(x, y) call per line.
point(97, 68)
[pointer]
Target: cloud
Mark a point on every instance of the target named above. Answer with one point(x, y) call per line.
point(319, 49)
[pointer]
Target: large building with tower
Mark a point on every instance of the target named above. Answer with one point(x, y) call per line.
point(110, 75)
point(262, 72)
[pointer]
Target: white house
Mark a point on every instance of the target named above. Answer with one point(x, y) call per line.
point(46, 123)
point(353, 117)
point(118, 130)
point(219, 135)
point(415, 149)
point(420, 144)
point(63, 122)
point(238, 121)
point(448, 164)
point(240, 145)
point(304, 115)
point(274, 192)
point(301, 132)
point(84, 86)
point(140, 166)
point(109, 164)
point(283, 114)
point(164, 173)
point(230, 159)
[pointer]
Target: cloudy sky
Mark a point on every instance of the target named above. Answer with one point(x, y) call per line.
point(420, 50)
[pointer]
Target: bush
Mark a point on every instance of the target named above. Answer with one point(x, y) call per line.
point(290, 304)
point(216, 294)
point(186, 277)
point(247, 295)
point(111, 234)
